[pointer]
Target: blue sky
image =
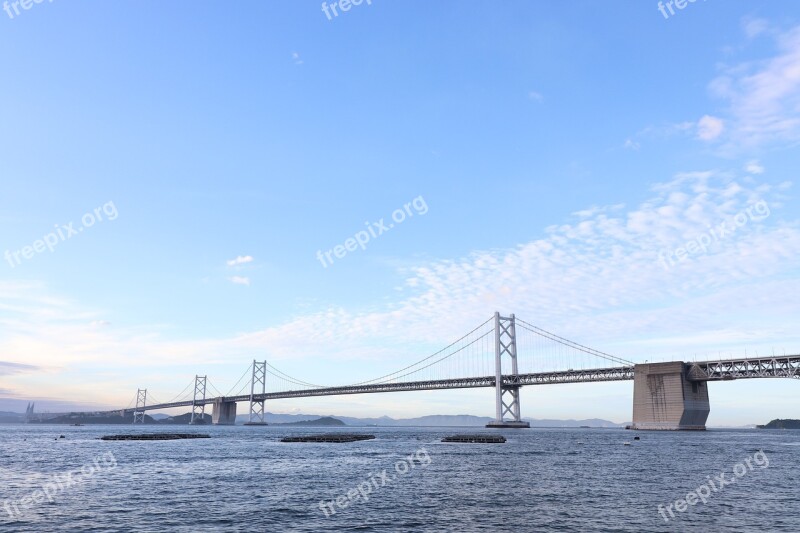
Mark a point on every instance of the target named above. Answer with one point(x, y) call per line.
point(558, 147)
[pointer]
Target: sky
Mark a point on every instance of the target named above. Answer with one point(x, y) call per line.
point(181, 181)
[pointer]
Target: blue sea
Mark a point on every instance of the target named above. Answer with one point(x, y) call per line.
point(406, 479)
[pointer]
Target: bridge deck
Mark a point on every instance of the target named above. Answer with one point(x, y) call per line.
point(728, 369)
point(542, 378)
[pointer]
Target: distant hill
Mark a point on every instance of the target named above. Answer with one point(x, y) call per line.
point(591, 422)
point(426, 421)
point(11, 418)
point(182, 420)
point(127, 419)
point(782, 424)
point(82, 419)
point(324, 421)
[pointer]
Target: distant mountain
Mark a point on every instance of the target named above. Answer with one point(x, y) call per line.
point(321, 420)
point(591, 422)
point(324, 421)
point(81, 419)
point(11, 418)
point(182, 420)
point(427, 421)
point(273, 418)
point(127, 419)
point(782, 424)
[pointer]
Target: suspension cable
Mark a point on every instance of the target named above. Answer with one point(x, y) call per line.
point(572, 344)
point(230, 392)
point(298, 381)
point(443, 358)
point(429, 357)
point(180, 394)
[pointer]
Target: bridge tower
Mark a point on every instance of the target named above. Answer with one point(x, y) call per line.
point(258, 385)
point(141, 402)
point(505, 347)
point(199, 408)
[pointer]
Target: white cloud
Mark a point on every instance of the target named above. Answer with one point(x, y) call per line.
point(709, 128)
point(592, 278)
point(754, 167)
point(296, 58)
point(240, 260)
point(761, 100)
point(753, 27)
point(535, 96)
point(595, 279)
point(240, 280)
point(631, 145)
point(763, 96)
point(660, 132)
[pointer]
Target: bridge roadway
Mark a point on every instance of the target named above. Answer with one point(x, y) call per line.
point(541, 378)
point(721, 370)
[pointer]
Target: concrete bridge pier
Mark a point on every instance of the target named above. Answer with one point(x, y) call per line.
point(664, 398)
point(224, 413)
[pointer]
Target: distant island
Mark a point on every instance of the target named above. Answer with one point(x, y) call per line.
point(782, 424)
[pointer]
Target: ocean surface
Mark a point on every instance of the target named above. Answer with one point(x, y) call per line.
point(244, 479)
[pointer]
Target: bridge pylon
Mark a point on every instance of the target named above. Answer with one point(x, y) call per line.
point(506, 387)
point(199, 408)
point(258, 380)
point(141, 402)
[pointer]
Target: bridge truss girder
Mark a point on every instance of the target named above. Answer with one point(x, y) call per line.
point(761, 367)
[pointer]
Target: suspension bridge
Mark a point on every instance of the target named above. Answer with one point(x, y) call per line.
point(504, 353)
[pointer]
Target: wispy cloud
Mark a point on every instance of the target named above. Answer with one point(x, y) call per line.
point(240, 260)
point(535, 96)
point(594, 278)
point(240, 280)
point(761, 100)
point(709, 128)
point(753, 27)
point(630, 144)
point(763, 97)
point(754, 167)
point(7, 368)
